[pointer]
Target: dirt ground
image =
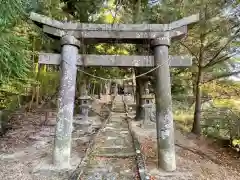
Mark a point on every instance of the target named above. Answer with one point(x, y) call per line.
point(197, 158)
point(27, 147)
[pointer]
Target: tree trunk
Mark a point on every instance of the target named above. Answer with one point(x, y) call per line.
point(194, 77)
point(136, 19)
point(83, 88)
point(80, 77)
point(93, 89)
point(99, 90)
point(196, 129)
point(1, 122)
point(139, 93)
point(133, 84)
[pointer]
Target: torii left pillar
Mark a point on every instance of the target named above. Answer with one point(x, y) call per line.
point(63, 136)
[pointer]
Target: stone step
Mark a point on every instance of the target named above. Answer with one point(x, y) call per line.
point(173, 175)
point(78, 133)
point(85, 126)
point(109, 138)
point(96, 126)
point(107, 176)
point(86, 129)
point(106, 168)
point(118, 109)
point(102, 170)
point(114, 150)
point(51, 121)
point(117, 124)
point(118, 141)
point(82, 123)
point(116, 155)
point(114, 128)
point(117, 115)
point(118, 106)
point(82, 140)
point(117, 133)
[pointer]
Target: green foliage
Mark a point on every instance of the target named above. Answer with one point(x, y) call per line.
point(221, 117)
point(13, 48)
point(49, 82)
point(14, 57)
point(83, 11)
point(14, 54)
point(221, 121)
point(224, 89)
point(180, 82)
point(11, 11)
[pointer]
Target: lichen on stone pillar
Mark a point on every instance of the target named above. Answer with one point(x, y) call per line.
point(164, 115)
point(62, 143)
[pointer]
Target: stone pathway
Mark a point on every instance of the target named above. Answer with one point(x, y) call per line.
point(113, 155)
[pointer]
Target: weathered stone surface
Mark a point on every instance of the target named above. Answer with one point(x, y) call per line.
point(114, 151)
point(78, 133)
point(62, 144)
point(110, 168)
point(96, 122)
point(51, 121)
point(164, 115)
point(82, 140)
point(115, 61)
point(147, 120)
point(115, 27)
point(127, 33)
point(111, 128)
point(133, 37)
point(83, 125)
point(113, 131)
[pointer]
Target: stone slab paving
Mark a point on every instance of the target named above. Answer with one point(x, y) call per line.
point(113, 155)
point(102, 168)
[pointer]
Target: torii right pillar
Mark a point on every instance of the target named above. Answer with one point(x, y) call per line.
point(164, 115)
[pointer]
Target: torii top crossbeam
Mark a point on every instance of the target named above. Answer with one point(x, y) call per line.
point(121, 33)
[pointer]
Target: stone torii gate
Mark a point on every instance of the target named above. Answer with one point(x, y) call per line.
point(72, 35)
